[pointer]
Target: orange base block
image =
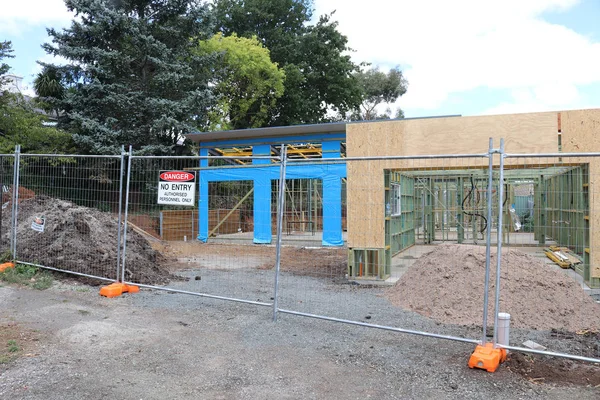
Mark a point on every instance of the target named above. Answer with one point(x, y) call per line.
point(6, 265)
point(487, 357)
point(116, 289)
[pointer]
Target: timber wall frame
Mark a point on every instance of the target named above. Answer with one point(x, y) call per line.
point(547, 132)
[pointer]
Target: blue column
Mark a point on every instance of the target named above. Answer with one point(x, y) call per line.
point(332, 199)
point(262, 198)
point(332, 211)
point(331, 149)
point(203, 199)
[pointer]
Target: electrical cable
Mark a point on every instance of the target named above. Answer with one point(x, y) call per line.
point(485, 222)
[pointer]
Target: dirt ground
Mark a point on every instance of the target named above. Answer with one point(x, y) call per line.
point(536, 296)
point(317, 262)
point(157, 345)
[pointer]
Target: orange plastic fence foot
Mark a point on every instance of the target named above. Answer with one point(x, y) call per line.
point(487, 357)
point(6, 265)
point(116, 289)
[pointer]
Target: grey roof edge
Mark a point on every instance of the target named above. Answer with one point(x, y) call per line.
point(331, 127)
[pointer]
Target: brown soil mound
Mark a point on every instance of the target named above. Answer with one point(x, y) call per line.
point(447, 285)
point(83, 240)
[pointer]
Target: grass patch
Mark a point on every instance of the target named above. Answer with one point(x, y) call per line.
point(10, 350)
point(13, 347)
point(28, 275)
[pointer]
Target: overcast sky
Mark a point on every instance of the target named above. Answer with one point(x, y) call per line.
point(466, 57)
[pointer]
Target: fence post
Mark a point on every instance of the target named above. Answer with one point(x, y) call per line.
point(499, 251)
point(122, 278)
point(15, 200)
point(280, 208)
point(488, 241)
point(120, 212)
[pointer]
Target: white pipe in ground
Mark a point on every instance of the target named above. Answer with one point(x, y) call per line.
point(503, 328)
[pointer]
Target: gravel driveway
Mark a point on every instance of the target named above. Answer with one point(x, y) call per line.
point(158, 345)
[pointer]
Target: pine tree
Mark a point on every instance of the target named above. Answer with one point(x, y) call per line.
point(132, 77)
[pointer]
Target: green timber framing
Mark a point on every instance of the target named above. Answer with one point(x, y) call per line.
point(427, 198)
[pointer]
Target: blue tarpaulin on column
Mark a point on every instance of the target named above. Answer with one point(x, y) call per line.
point(262, 175)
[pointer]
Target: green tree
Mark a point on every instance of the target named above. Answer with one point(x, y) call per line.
point(5, 52)
point(49, 87)
point(377, 88)
point(246, 83)
point(132, 76)
point(20, 124)
point(318, 70)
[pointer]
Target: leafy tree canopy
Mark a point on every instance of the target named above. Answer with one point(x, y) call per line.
point(377, 88)
point(318, 70)
point(132, 76)
point(49, 87)
point(247, 83)
point(20, 124)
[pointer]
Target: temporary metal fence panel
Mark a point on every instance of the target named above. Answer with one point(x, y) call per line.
point(203, 226)
point(66, 215)
point(7, 162)
point(406, 243)
point(386, 275)
point(379, 272)
point(550, 271)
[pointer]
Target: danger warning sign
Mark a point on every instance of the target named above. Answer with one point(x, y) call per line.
point(177, 188)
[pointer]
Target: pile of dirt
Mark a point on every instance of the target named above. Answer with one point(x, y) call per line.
point(84, 240)
point(447, 285)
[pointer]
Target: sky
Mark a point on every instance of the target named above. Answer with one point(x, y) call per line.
point(467, 57)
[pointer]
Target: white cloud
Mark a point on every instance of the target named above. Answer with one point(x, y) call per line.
point(16, 17)
point(449, 47)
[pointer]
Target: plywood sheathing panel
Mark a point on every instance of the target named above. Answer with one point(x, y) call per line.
point(535, 132)
point(581, 133)
point(523, 133)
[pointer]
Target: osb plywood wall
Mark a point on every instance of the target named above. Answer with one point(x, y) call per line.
point(523, 133)
point(581, 133)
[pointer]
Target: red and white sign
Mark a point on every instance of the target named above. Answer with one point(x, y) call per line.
point(177, 188)
point(177, 176)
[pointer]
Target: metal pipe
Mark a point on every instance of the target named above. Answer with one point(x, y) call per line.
point(550, 155)
point(209, 296)
point(488, 241)
point(550, 353)
point(73, 155)
point(65, 271)
point(387, 328)
point(376, 158)
point(120, 221)
point(126, 209)
point(280, 209)
point(499, 244)
point(16, 199)
point(263, 157)
point(12, 205)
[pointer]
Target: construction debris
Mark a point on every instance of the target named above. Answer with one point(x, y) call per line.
point(562, 256)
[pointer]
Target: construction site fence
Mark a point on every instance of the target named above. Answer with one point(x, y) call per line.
point(403, 243)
